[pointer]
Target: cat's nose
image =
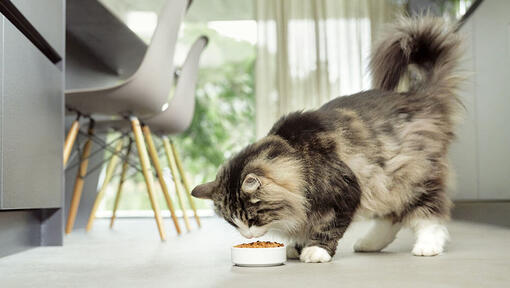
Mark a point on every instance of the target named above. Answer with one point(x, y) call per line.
point(258, 231)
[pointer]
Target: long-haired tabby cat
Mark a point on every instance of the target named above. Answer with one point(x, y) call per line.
point(378, 154)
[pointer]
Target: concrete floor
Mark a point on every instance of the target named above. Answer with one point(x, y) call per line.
point(132, 256)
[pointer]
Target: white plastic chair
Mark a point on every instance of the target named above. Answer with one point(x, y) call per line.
point(181, 108)
point(175, 119)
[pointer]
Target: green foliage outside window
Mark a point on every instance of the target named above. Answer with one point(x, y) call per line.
point(223, 123)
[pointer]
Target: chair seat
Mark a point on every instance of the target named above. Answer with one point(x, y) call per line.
point(169, 122)
point(111, 101)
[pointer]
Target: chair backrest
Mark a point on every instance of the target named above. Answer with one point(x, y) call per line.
point(156, 70)
point(181, 107)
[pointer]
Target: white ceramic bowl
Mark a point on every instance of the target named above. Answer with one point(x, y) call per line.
point(259, 256)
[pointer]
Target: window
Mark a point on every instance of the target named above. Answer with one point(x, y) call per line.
point(224, 116)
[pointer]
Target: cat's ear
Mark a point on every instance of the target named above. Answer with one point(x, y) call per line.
point(251, 183)
point(203, 191)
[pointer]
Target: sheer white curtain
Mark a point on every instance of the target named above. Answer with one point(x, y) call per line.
point(311, 51)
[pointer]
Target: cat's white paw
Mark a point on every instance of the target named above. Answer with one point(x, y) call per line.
point(314, 254)
point(368, 245)
point(431, 237)
point(427, 249)
point(292, 252)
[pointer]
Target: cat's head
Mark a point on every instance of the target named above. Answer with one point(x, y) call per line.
point(259, 188)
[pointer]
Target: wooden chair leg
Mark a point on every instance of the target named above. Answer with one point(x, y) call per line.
point(125, 167)
point(70, 138)
point(108, 176)
point(154, 156)
point(78, 185)
point(173, 170)
point(147, 173)
point(183, 176)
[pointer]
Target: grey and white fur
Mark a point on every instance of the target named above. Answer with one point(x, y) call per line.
point(378, 154)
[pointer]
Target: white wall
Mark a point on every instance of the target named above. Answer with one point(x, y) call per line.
point(481, 155)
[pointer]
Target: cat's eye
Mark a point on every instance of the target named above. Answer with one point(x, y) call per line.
point(251, 183)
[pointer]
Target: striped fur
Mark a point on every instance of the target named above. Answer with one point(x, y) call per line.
point(377, 154)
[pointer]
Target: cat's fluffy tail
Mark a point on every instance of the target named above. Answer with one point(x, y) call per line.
point(426, 43)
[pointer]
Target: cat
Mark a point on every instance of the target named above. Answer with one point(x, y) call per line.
point(378, 154)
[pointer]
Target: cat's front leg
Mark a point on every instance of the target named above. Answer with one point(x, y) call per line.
point(333, 200)
point(293, 250)
point(321, 246)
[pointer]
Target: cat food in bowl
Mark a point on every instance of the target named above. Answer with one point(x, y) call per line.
point(260, 253)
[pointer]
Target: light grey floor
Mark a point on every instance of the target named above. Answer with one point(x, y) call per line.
point(132, 256)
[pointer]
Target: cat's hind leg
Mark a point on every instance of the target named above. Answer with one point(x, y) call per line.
point(380, 235)
point(431, 236)
point(428, 219)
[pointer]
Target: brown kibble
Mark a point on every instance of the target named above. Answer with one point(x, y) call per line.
point(260, 244)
